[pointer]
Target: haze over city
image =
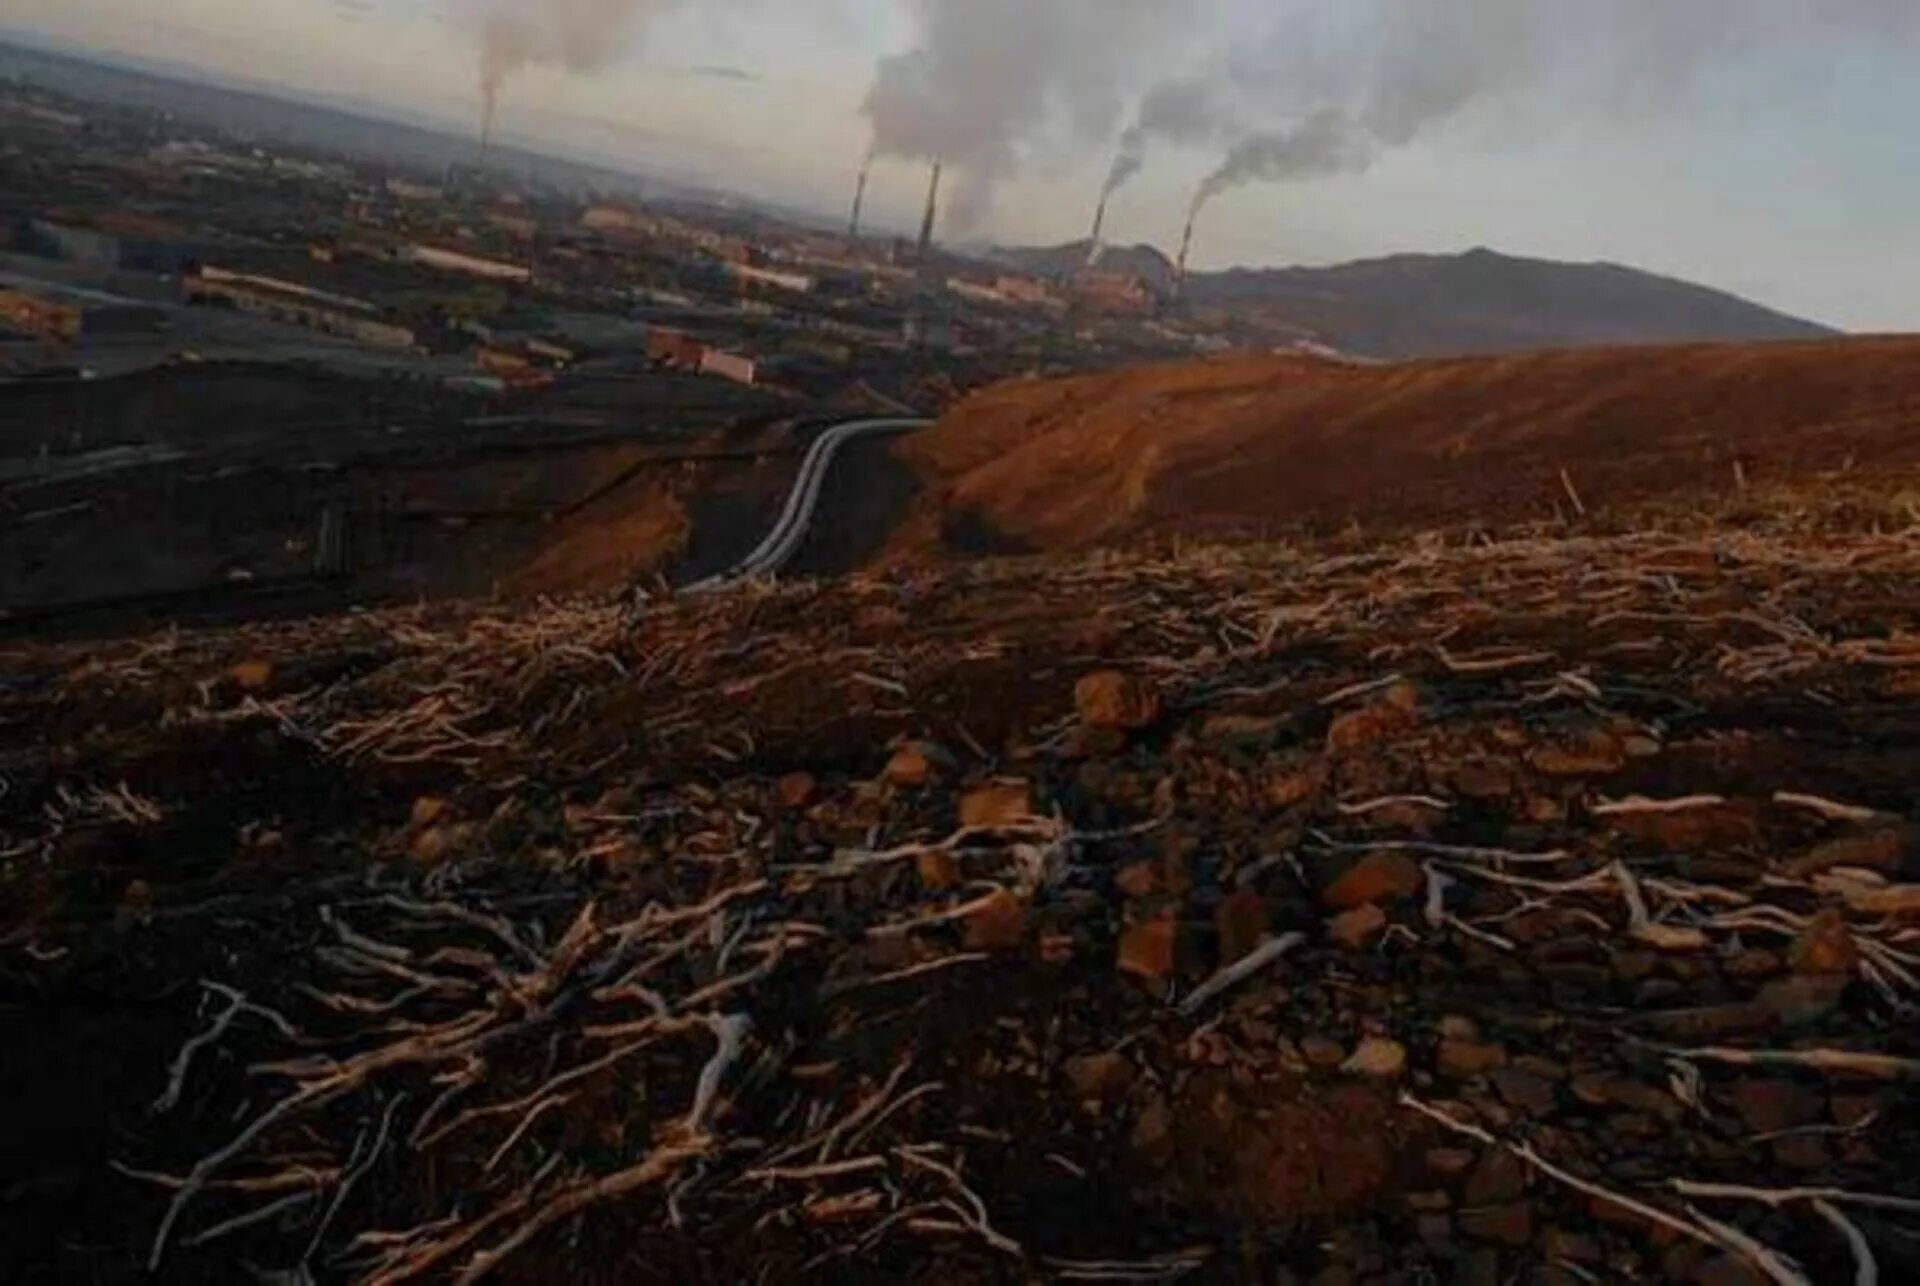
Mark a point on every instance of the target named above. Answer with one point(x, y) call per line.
point(1762, 147)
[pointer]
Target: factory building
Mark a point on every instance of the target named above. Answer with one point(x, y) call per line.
point(295, 305)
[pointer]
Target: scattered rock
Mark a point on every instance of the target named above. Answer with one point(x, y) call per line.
point(1510, 1225)
point(999, 924)
point(1482, 781)
point(1241, 731)
point(939, 871)
point(795, 790)
point(1825, 947)
point(914, 764)
point(1291, 787)
point(1110, 699)
point(997, 803)
point(252, 676)
point(1769, 1105)
point(1242, 922)
point(1356, 928)
point(1137, 880)
point(1147, 948)
point(1099, 1078)
point(1379, 1058)
point(1598, 754)
point(1153, 1128)
point(1803, 999)
point(1322, 1053)
point(1882, 849)
point(427, 810)
point(1524, 1091)
point(1465, 1059)
point(1498, 1178)
point(1449, 1163)
point(1389, 717)
point(1377, 877)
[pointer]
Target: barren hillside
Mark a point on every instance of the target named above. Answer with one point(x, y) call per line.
point(1262, 444)
point(1537, 911)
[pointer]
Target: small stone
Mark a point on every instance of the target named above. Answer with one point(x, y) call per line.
point(1372, 724)
point(1804, 998)
point(910, 767)
point(795, 790)
point(1356, 928)
point(1322, 1053)
point(1288, 788)
point(1465, 1059)
point(1137, 880)
point(1429, 1201)
point(1769, 1106)
point(1498, 1178)
point(1826, 946)
point(1883, 849)
point(1153, 1129)
point(997, 803)
point(1482, 781)
point(999, 924)
point(1449, 1163)
point(1753, 964)
point(251, 676)
point(1146, 949)
point(1241, 919)
point(433, 845)
point(1598, 754)
point(939, 871)
point(1524, 1091)
point(1510, 1225)
point(1099, 1078)
point(1379, 1058)
point(1241, 731)
point(1377, 877)
point(1458, 1027)
point(427, 810)
point(1110, 699)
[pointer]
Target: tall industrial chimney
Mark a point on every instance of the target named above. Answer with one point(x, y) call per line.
point(1094, 244)
point(1180, 269)
point(933, 211)
point(859, 199)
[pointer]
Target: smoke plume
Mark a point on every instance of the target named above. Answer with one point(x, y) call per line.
point(580, 35)
point(986, 79)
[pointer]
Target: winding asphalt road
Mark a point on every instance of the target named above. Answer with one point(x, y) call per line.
point(790, 530)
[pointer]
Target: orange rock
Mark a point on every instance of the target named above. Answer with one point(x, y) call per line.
point(910, 768)
point(433, 845)
point(1825, 947)
point(1288, 788)
point(1377, 877)
point(1136, 881)
point(1110, 699)
point(795, 790)
point(1099, 1078)
point(1598, 754)
point(429, 809)
point(1356, 928)
point(1146, 949)
point(251, 676)
point(939, 871)
point(1483, 781)
point(1369, 725)
point(997, 803)
point(999, 924)
point(1242, 921)
point(1883, 849)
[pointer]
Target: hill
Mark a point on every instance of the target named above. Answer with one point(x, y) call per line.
point(1414, 306)
point(1259, 444)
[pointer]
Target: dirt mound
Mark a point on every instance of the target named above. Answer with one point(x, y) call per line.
point(1262, 445)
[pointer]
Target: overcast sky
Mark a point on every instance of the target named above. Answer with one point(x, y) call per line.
point(1784, 165)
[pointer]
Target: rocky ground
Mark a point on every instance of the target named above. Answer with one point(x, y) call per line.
point(1545, 910)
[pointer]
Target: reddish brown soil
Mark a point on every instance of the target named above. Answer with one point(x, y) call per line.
point(1263, 444)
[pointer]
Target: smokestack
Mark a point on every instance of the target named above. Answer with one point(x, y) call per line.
point(859, 199)
point(486, 129)
point(1186, 245)
point(933, 211)
point(1094, 244)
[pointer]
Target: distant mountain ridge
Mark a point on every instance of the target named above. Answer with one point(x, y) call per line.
point(1439, 305)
